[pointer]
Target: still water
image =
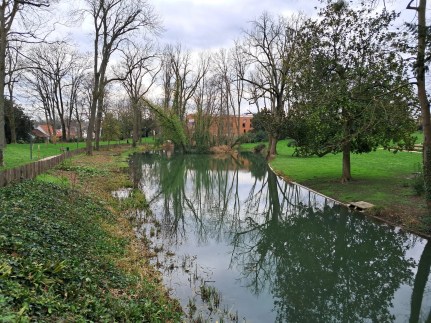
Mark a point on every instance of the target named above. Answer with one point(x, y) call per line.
point(269, 251)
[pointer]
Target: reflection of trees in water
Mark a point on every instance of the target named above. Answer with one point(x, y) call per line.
point(321, 265)
point(191, 188)
point(420, 284)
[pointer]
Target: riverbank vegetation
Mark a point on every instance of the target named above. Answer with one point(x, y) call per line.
point(69, 254)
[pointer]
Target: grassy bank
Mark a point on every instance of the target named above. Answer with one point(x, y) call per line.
point(20, 154)
point(69, 254)
point(383, 178)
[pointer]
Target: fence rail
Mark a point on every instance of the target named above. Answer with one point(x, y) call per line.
point(30, 171)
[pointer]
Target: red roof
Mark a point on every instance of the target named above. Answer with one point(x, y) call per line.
point(39, 133)
point(46, 129)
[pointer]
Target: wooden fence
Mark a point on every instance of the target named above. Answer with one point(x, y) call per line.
point(30, 171)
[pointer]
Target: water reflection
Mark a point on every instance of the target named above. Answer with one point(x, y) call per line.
point(279, 252)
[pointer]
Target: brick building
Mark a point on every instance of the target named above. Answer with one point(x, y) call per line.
point(225, 125)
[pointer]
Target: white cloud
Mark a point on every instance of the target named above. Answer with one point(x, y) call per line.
point(207, 24)
point(203, 24)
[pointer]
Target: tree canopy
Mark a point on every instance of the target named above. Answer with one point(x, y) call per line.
point(353, 94)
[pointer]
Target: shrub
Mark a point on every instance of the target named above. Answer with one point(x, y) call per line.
point(418, 181)
point(259, 148)
point(254, 136)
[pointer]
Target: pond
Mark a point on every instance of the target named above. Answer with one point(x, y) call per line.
point(237, 243)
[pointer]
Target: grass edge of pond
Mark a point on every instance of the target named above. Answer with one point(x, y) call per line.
point(389, 189)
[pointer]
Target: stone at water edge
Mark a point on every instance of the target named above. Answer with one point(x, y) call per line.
point(360, 205)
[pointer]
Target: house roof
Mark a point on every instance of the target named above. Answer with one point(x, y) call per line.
point(39, 133)
point(46, 129)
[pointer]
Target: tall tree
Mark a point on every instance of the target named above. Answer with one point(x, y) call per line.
point(138, 73)
point(56, 62)
point(114, 21)
point(13, 74)
point(239, 66)
point(76, 92)
point(9, 10)
point(205, 100)
point(270, 47)
point(354, 92)
point(420, 70)
point(39, 89)
point(180, 80)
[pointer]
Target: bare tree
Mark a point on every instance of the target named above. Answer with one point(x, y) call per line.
point(205, 100)
point(114, 21)
point(75, 92)
point(223, 74)
point(270, 47)
point(167, 76)
point(38, 90)
point(138, 73)
point(230, 68)
point(239, 65)
point(12, 75)
point(56, 63)
point(9, 11)
point(180, 79)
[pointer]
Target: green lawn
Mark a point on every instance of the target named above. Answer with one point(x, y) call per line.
point(19, 154)
point(382, 178)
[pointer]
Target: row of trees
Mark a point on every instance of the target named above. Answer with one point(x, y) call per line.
point(338, 83)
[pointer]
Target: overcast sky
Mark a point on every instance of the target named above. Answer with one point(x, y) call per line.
point(207, 24)
point(211, 24)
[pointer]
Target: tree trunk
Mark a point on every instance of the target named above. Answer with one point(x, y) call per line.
point(61, 107)
point(98, 122)
point(272, 147)
point(347, 176)
point(90, 130)
point(11, 114)
point(11, 117)
point(63, 130)
point(95, 94)
point(136, 119)
point(3, 43)
point(422, 95)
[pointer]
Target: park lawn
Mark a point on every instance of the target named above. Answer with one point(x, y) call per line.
point(382, 178)
point(19, 154)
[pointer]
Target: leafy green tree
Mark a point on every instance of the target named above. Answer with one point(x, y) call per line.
point(111, 129)
point(353, 93)
point(22, 123)
point(171, 126)
point(265, 121)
